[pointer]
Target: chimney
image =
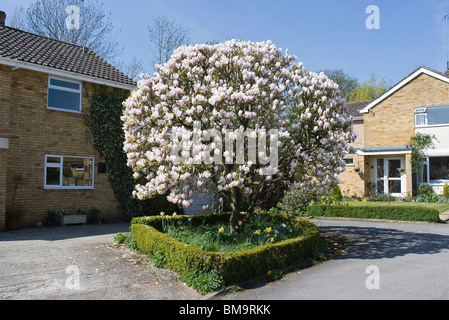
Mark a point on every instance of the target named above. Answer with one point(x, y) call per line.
point(2, 18)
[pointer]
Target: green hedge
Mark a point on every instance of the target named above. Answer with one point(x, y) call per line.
point(402, 213)
point(233, 267)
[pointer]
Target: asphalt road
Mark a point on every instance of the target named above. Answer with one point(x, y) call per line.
point(382, 261)
point(377, 261)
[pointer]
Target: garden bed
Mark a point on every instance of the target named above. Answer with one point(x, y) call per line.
point(232, 265)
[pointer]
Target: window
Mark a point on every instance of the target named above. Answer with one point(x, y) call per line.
point(62, 172)
point(432, 116)
point(349, 161)
point(434, 170)
point(64, 95)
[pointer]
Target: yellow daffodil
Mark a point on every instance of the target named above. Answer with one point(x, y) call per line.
point(268, 230)
point(257, 232)
point(269, 272)
point(221, 229)
point(272, 240)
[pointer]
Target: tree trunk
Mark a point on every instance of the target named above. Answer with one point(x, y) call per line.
point(237, 220)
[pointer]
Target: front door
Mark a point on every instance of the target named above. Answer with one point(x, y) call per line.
point(389, 176)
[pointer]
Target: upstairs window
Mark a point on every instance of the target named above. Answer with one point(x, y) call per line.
point(64, 95)
point(432, 116)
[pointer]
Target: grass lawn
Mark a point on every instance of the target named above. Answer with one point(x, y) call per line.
point(441, 207)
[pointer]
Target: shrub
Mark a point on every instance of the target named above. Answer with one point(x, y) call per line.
point(204, 282)
point(297, 199)
point(126, 239)
point(425, 189)
point(446, 191)
point(231, 266)
point(402, 213)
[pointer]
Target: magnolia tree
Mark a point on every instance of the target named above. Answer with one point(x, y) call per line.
point(234, 118)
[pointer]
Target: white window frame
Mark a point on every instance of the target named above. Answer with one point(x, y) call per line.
point(80, 92)
point(352, 164)
point(426, 161)
point(386, 178)
point(424, 111)
point(61, 176)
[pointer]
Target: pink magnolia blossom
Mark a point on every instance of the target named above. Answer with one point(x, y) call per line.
point(227, 88)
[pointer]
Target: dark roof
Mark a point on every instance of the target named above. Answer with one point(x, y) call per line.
point(355, 107)
point(31, 48)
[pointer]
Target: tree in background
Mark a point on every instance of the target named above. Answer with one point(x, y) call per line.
point(346, 82)
point(166, 36)
point(48, 18)
point(212, 96)
point(369, 90)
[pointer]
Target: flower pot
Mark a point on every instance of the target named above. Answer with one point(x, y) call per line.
point(11, 225)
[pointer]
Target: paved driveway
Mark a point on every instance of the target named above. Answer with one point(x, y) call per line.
point(80, 262)
point(380, 261)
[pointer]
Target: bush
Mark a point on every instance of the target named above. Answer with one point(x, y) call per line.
point(446, 191)
point(376, 212)
point(204, 282)
point(126, 239)
point(298, 198)
point(233, 267)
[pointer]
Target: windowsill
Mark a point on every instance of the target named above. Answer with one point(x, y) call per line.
point(64, 110)
point(67, 188)
point(439, 183)
point(432, 126)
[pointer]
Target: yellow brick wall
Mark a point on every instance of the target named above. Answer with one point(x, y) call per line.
point(392, 122)
point(3, 155)
point(353, 178)
point(35, 131)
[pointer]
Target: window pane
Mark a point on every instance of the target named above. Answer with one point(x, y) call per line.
point(380, 186)
point(439, 168)
point(380, 168)
point(438, 115)
point(394, 186)
point(420, 119)
point(422, 176)
point(65, 84)
point(349, 161)
point(52, 177)
point(64, 100)
point(77, 172)
point(53, 160)
point(393, 168)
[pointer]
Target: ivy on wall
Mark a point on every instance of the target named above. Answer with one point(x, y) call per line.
point(106, 127)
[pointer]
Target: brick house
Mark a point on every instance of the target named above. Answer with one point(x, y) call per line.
point(45, 147)
point(381, 162)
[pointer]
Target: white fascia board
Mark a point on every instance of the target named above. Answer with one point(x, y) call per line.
point(436, 152)
point(61, 73)
point(403, 83)
point(381, 153)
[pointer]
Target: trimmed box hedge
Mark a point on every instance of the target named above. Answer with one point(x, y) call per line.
point(234, 266)
point(393, 212)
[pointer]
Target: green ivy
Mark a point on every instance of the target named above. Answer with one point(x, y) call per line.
point(106, 127)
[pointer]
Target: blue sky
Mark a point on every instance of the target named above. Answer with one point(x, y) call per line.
point(322, 33)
